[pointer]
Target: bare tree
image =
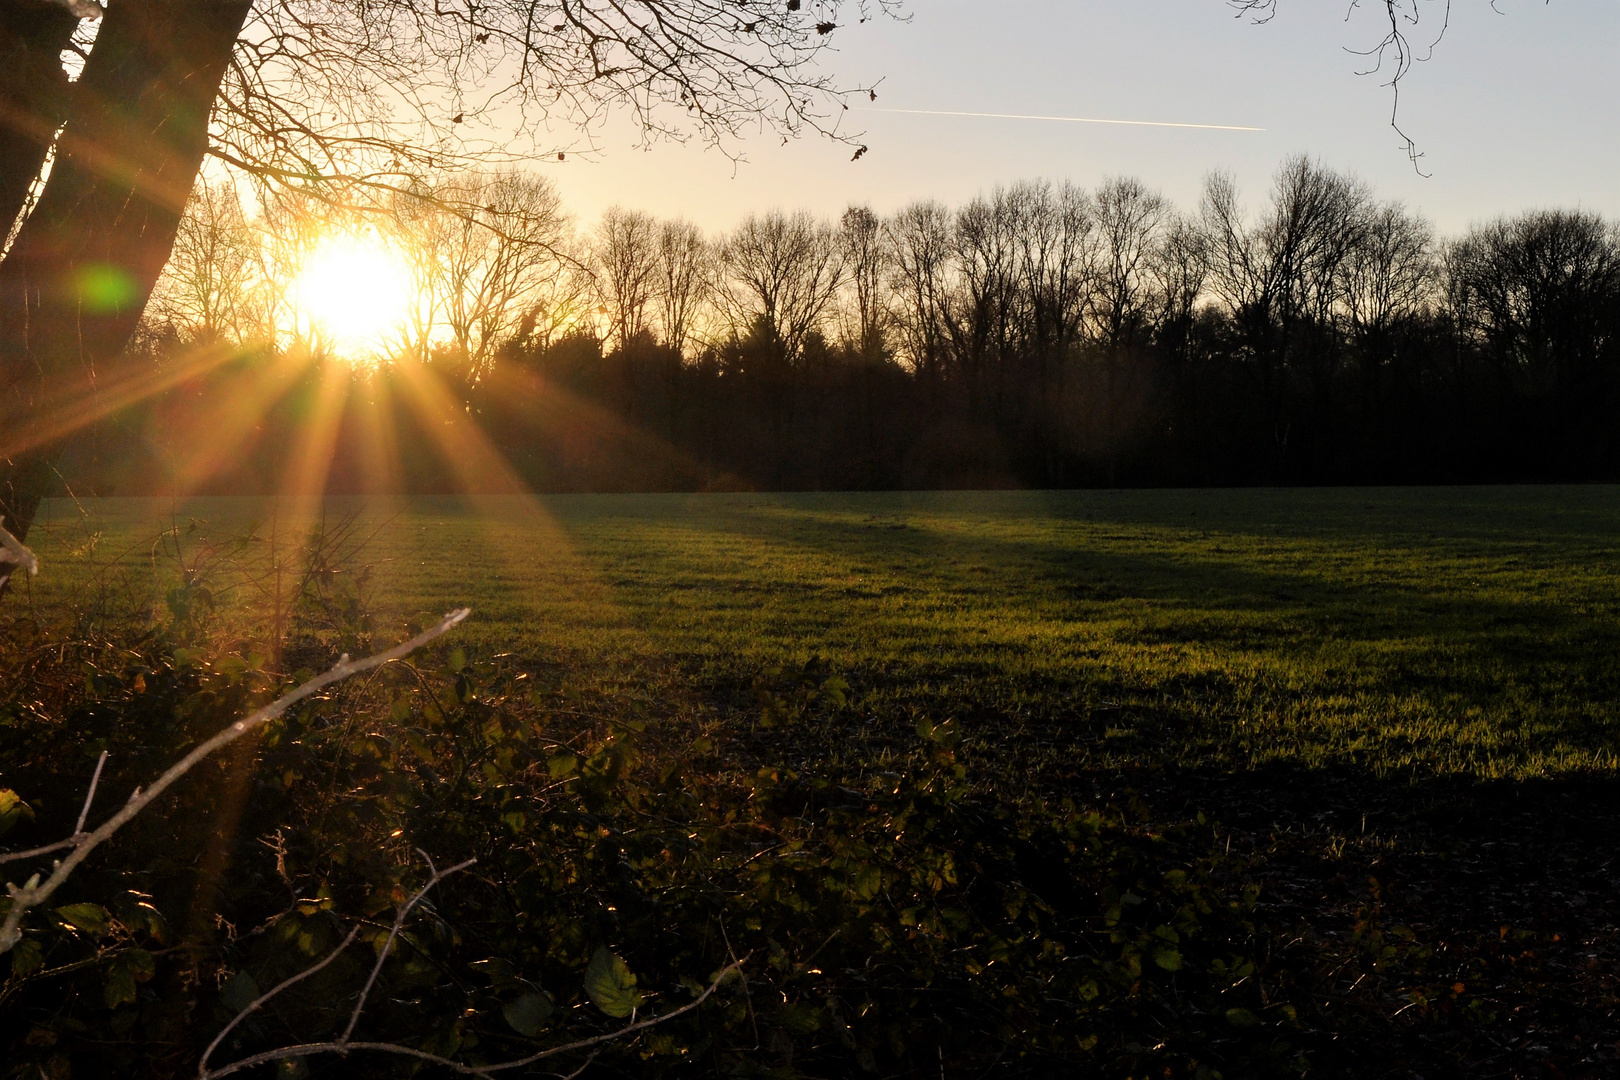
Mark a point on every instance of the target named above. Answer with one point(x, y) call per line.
point(289, 228)
point(625, 266)
point(1130, 220)
point(500, 237)
point(981, 314)
point(920, 244)
point(1392, 274)
point(1052, 232)
point(783, 272)
point(1291, 264)
point(685, 280)
point(210, 290)
point(1534, 293)
point(866, 255)
point(1179, 266)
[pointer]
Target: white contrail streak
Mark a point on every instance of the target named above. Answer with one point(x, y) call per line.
point(1067, 119)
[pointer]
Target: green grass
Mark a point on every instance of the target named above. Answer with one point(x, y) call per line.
point(1463, 631)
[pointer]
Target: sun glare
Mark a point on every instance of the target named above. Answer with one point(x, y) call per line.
point(354, 293)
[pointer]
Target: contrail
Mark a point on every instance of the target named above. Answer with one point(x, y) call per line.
point(1067, 119)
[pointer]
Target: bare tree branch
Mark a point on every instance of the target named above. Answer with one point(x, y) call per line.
point(34, 892)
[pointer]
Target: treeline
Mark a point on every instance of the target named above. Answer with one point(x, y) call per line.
point(1040, 335)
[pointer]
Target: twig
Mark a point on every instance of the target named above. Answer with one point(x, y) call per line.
point(78, 830)
point(34, 893)
point(405, 909)
point(393, 935)
point(346, 1046)
point(291, 980)
point(90, 796)
point(13, 551)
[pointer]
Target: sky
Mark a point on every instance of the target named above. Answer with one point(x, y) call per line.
point(1514, 110)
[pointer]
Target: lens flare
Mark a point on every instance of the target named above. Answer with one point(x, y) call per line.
point(353, 295)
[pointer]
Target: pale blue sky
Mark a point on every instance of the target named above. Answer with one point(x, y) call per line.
point(1516, 109)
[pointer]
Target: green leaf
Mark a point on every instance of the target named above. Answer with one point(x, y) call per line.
point(231, 666)
point(239, 991)
point(27, 957)
point(562, 766)
point(131, 967)
point(868, 881)
point(1167, 958)
point(611, 985)
point(120, 986)
point(140, 962)
point(1241, 1018)
point(529, 1013)
point(12, 810)
point(90, 918)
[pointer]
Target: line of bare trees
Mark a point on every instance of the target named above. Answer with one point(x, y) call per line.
point(1038, 334)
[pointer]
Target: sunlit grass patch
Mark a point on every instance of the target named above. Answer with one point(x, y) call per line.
point(1446, 630)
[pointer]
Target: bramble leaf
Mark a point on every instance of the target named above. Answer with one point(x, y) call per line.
point(1167, 958)
point(134, 966)
point(91, 918)
point(611, 985)
point(12, 810)
point(27, 957)
point(528, 1014)
point(239, 991)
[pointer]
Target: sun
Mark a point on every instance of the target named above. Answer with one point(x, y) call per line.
point(354, 293)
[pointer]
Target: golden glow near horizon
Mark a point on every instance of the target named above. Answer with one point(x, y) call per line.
point(353, 294)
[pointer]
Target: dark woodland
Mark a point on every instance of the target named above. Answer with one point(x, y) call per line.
point(1038, 336)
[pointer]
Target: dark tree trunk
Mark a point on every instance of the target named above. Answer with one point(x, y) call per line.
point(73, 284)
point(33, 96)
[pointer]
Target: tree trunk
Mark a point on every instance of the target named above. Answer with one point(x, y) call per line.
point(73, 284)
point(33, 96)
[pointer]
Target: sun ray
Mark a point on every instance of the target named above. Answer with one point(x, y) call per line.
point(304, 476)
point(378, 439)
point(232, 420)
point(89, 403)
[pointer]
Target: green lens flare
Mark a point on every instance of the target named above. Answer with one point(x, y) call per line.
point(104, 289)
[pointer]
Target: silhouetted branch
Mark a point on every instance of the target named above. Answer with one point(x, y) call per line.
point(1395, 48)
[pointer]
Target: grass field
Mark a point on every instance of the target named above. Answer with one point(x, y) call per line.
point(1397, 631)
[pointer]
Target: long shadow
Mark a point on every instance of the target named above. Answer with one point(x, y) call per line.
point(1409, 629)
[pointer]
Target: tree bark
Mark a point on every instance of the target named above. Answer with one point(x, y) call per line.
point(74, 283)
point(33, 96)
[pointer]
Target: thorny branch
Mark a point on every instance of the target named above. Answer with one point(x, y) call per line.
point(34, 892)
